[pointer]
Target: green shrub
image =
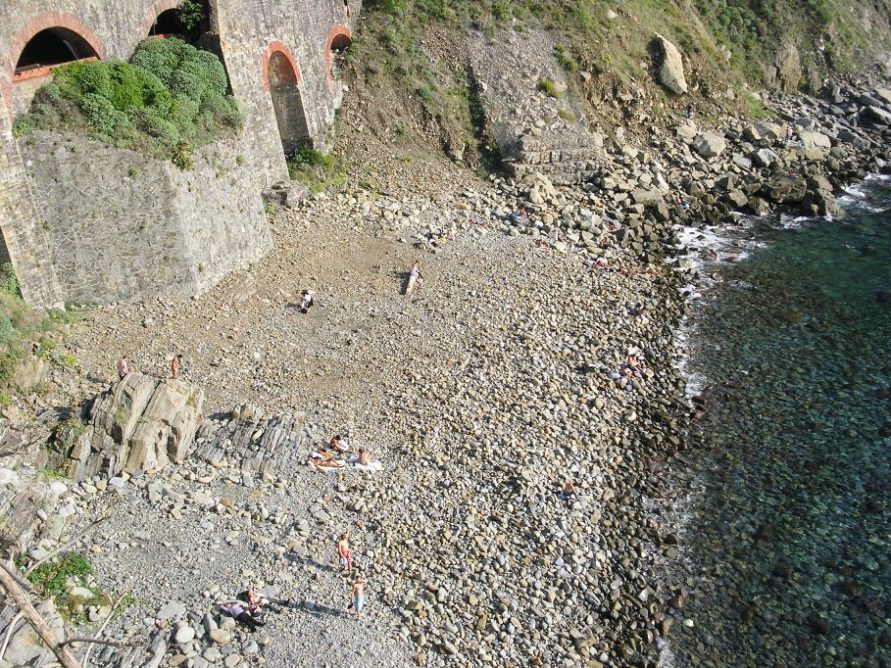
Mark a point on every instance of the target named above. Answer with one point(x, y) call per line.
point(168, 93)
point(99, 112)
point(92, 78)
point(564, 57)
point(51, 578)
point(161, 57)
point(9, 282)
point(6, 328)
point(183, 154)
point(567, 115)
point(191, 14)
point(317, 170)
point(549, 88)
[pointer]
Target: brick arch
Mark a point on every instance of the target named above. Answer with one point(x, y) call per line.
point(333, 34)
point(155, 10)
point(35, 25)
point(279, 47)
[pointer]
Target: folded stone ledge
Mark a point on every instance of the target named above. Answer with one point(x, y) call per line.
point(141, 424)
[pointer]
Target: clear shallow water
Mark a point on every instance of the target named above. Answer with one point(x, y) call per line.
point(789, 541)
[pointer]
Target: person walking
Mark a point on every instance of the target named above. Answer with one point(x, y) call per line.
point(345, 557)
point(358, 594)
point(415, 279)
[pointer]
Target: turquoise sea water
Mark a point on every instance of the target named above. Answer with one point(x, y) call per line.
point(789, 543)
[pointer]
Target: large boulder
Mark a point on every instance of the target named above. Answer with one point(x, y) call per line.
point(815, 145)
point(765, 131)
point(709, 144)
point(671, 67)
point(877, 115)
point(884, 94)
point(785, 190)
point(140, 424)
point(786, 71)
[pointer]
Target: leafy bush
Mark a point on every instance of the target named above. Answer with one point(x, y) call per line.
point(548, 87)
point(169, 92)
point(317, 170)
point(9, 282)
point(191, 14)
point(6, 328)
point(51, 578)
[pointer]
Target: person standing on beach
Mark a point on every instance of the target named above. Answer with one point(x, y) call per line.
point(358, 594)
point(415, 278)
point(123, 370)
point(176, 365)
point(343, 552)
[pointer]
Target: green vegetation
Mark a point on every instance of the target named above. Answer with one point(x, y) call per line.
point(728, 42)
point(51, 578)
point(567, 115)
point(192, 13)
point(55, 577)
point(548, 87)
point(169, 98)
point(23, 331)
point(317, 170)
point(564, 56)
point(757, 108)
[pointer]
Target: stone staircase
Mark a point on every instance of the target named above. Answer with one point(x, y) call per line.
point(532, 111)
point(564, 157)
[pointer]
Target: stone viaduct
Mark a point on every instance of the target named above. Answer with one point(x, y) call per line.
point(83, 222)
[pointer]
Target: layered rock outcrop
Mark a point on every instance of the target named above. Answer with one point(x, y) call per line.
point(141, 424)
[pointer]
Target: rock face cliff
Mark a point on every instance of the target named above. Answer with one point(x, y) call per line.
point(141, 424)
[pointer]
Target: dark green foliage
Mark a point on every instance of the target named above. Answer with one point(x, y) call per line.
point(9, 282)
point(100, 113)
point(191, 14)
point(6, 328)
point(168, 93)
point(317, 170)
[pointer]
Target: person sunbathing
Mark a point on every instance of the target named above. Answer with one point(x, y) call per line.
point(364, 457)
point(256, 601)
point(240, 614)
point(568, 491)
point(326, 464)
point(338, 444)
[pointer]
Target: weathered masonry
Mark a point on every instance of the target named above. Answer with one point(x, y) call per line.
point(83, 222)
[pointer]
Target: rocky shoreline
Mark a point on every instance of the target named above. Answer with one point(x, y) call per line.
point(482, 395)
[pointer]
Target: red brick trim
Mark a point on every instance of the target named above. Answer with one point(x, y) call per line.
point(279, 47)
point(153, 12)
point(35, 25)
point(44, 71)
point(335, 32)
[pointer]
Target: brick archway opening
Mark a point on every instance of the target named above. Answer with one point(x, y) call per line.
point(167, 23)
point(24, 75)
point(339, 40)
point(282, 78)
point(51, 47)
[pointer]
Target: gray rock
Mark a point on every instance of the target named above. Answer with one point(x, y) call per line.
point(877, 115)
point(671, 67)
point(709, 144)
point(171, 610)
point(139, 424)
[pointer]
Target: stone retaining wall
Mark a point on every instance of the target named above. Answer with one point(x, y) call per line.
point(122, 225)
